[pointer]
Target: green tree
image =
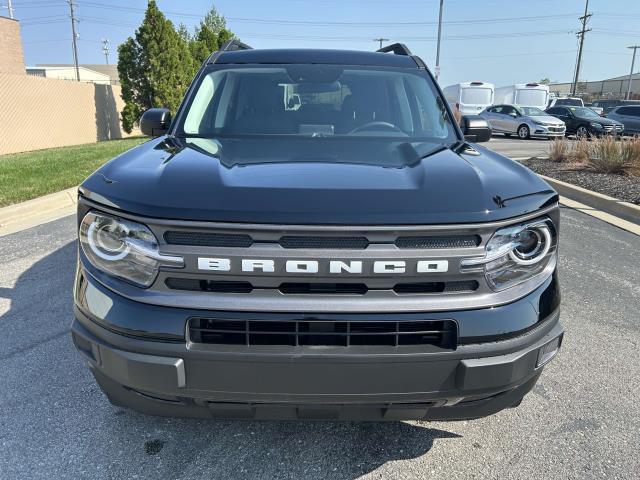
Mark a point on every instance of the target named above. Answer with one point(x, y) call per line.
point(214, 21)
point(155, 67)
point(545, 81)
point(209, 36)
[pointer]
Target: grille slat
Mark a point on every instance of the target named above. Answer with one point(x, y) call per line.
point(295, 333)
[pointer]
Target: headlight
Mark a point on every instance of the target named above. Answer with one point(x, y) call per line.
point(539, 123)
point(516, 254)
point(122, 248)
point(596, 125)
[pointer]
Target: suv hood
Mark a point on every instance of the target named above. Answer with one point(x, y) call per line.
point(179, 179)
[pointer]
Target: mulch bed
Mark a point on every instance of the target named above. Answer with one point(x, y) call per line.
point(623, 187)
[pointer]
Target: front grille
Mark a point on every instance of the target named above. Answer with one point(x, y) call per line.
point(320, 288)
point(458, 241)
point(206, 239)
point(301, 333)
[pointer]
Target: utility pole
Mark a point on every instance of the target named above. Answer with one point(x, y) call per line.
point(633, 61)
point(105, 49)
point(75, 37)
point(10, 7)
point(581, 33)
point(439, 36)
point(380, 40)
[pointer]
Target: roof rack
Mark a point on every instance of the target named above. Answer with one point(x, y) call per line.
point(234, 44)
point(397, 49)
point(228, 46)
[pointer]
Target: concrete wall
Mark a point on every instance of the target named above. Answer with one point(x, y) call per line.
point(37, 113)
point(11, 55)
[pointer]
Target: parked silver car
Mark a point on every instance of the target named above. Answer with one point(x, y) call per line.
point(629, 115)
point(525, 122)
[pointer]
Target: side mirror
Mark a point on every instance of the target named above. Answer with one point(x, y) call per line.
point(475, 128)
point(514, 114)
point(155, 122)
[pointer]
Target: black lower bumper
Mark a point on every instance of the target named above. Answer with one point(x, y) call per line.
point(182, 379)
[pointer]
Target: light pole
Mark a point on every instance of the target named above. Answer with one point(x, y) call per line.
point(437, 72)
point(633, 61)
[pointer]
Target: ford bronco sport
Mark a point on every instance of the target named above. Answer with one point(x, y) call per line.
point(313, 236)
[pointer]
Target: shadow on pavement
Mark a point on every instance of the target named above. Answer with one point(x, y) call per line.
point(77, 419)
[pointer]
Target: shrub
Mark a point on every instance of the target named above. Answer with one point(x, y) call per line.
point(606, 156)
point(559, 150)
point(581, 151)
point(631, 152)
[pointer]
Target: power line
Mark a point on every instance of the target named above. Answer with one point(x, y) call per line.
point(581, 34)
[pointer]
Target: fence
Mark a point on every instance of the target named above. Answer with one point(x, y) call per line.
point(37, 113)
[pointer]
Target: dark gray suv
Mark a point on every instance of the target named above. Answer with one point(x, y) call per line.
point(629, 116)
point(313, 236)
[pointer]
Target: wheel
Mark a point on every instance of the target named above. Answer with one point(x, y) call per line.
point(582, 132)
point(523, 132)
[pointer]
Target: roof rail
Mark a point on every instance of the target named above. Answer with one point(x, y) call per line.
point(228, 46)
point(397, 49)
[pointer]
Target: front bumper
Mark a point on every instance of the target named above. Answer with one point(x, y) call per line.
point(178, 378)
point(546, 132)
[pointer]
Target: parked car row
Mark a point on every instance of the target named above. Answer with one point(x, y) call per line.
point(558, 121)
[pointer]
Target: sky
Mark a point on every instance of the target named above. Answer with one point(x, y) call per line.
point(497, 41)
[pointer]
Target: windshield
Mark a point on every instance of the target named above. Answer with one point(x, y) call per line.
point(317, 102)
point(476, 96)
point(531, 111)
point(583, 112)
point(531, 97)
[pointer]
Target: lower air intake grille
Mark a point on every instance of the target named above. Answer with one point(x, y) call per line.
point(300, 333)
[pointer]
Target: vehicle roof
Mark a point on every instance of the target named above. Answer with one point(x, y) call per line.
point(628, 105)
point(334, 57)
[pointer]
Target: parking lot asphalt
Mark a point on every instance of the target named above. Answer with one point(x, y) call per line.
point(513, 147)
point(581, 421)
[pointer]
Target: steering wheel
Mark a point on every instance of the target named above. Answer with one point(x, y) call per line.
point(368, 125)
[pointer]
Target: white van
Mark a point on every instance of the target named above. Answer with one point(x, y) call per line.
point(469, 98)
point(523, 94)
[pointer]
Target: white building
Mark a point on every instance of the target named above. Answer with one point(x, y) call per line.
point(68, 72)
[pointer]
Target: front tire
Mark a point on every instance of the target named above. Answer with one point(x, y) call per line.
point(523, 132)
point(582, 132)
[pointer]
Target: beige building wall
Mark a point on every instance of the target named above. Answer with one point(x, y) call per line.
point(37, 113)
point(11, 55)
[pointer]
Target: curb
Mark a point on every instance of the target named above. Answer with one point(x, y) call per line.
point(613, 206)
point(31, 213)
